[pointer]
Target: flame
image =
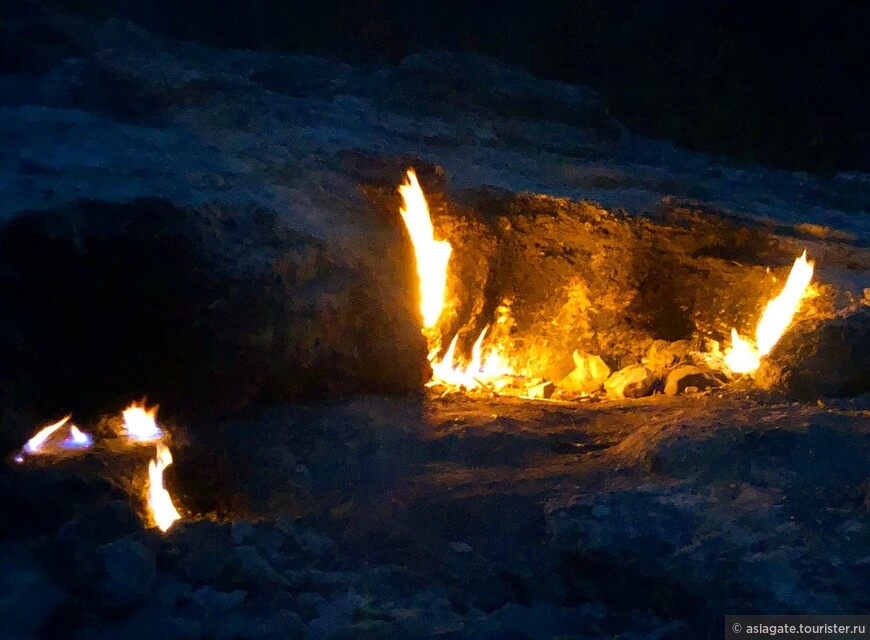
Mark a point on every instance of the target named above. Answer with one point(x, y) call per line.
point(140, 423)
point(432, 255)
point(163, 512)
point(34, 445)
point(744, 356)
point(479, 371)
point(77, 439)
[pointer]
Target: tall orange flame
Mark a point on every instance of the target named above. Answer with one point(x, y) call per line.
point(432, 255)
point(163, 511)
point(744, 356)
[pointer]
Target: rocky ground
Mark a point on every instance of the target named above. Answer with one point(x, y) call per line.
point(219, 230)
point(460, 518)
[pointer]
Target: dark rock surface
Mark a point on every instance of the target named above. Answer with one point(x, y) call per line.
point(208, 309)
point(478, 519)
point(825, 358)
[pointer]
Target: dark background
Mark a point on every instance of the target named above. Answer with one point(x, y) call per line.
point(783, 83)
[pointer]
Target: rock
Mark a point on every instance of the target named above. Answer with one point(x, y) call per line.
point(821, 358)
point(205, 564)
point(241, 531)
point(148, 623)
point(687, 375)
point(334, 616)
point(635, 381)
point(218, 601)
point(314, 543)
point(28, 600)
point(280, 625)
point(663, 354)
point(131, 568)
point(589, 374)
point(356, 327)
point(543, 390)
point(253, 567)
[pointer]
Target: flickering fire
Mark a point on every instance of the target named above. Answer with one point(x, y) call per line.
point(432, 258)
point(163, 511)
point(140, 423)
point(50, 440)
point(77, 439)
point(491, 370)
point(744, 356)
point(35, 444)
point(432, 255)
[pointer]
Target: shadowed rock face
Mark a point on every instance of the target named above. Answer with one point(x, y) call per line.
point(826, 358)
point(105, 303)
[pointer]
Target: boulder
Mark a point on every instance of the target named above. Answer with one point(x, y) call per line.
point(685, 376)
point(589, 373)
point(131, 568)
point(201, 308)
point(634, 381)
point(822, 358)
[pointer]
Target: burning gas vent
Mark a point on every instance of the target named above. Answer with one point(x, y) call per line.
point(494, 364)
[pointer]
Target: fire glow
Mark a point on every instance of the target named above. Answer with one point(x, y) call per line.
point(745, 356)
point(140, 423)
point(432, 257)
point(160, 506)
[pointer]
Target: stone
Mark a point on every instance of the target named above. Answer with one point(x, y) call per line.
point(148, 623)
point(635, 381)
point(253, 567)
point(213, 600)
point(280, 625)
point(131, 569)
point(687, 375)
point(28, 600)
point(543, 390)
point(589, 373)
point(205, 563)
point(241, 531)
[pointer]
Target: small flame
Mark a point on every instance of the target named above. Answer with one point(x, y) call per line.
point(744, 356)
point(432, 255)
point(34, 445)
point(478, 371)
point(163, 511)
point(140, 423)
point(77, 439)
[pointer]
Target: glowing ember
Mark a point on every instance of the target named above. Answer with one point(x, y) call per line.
point(34, 445)
point(163, 512)
point(141, 423)
point(432, 255)
point(745, 357)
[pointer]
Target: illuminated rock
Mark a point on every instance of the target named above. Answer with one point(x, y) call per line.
point(634, 381)
point(685, 376)
point(589, 373)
